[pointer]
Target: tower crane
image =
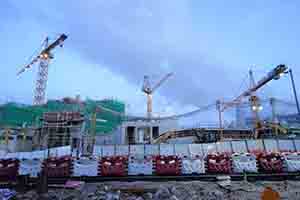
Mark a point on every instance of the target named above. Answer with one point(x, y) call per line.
point(148, 90)
point(274, 74)
point(43, 58)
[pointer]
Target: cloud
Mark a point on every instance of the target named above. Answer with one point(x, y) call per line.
point(137, 37)
point(134, 38)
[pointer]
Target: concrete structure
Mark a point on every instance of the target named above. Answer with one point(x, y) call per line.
point(144, 131)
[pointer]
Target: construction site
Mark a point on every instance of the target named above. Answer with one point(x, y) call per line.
point(69, 142)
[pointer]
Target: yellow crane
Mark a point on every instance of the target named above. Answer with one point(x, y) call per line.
point(44, 59)
point(274, 74)
point(149, 90)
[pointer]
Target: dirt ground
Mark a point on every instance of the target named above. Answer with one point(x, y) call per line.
point(191, 190)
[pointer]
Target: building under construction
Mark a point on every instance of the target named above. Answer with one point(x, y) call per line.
point(58, 122)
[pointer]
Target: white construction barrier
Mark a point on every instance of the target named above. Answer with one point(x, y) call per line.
point(196, 150)
point(286, 146)
point(166, 149)
point(85, 167)
point(122, 150)
point(137, 150)
point(244, 162)
point(12, 155)
point(108, 150)
point(42, 154)
point(31, 167)
point(151, 149)
point(209, 148)
point(193, 166)
point(271, 145)
point(182, 150)
point(59, 151)
point(239, 146)
point(291, 162)
point(2, 154)
point(140, 165)
point(97, 151)
point(255, 145)
point(224, 147)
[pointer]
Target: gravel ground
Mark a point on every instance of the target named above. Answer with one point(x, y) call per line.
point(192, 190)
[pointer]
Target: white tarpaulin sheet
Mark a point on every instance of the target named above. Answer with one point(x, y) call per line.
point(137, 150)
point(255, 145)
point(108, 150)
point(151, 149)
point(224, 147)
point(196, 149)
point(166, 149)
point(286, 145)
point(85, 167)
point(122, 150)
point(271, 145)
point(182, 150)
point(239, 146)
point(193, 166)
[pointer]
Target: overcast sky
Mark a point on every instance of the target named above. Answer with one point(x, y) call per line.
point(112, 44)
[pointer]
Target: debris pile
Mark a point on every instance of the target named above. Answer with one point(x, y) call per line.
point(191, 190)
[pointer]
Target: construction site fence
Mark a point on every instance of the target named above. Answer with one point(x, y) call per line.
point(243, 146)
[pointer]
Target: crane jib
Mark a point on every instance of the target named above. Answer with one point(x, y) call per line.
point(57, 42)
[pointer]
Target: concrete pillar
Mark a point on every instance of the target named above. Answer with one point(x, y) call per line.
point(151, 134)
point(135, 134)
point(123, 134)
point(141, 135)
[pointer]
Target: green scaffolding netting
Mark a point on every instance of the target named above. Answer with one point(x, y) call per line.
point(17, 115)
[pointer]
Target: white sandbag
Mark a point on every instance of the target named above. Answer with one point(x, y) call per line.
point(85, 167)
point(193, 166)
point(244, 163)
point(292, 162)
point(140, 165)
point(31, 167)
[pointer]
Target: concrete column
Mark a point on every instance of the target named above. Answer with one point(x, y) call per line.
point(151, 134)
point(135, 134)
point(123, 134)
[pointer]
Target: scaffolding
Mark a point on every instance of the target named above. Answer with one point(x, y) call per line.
point(13, 115)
